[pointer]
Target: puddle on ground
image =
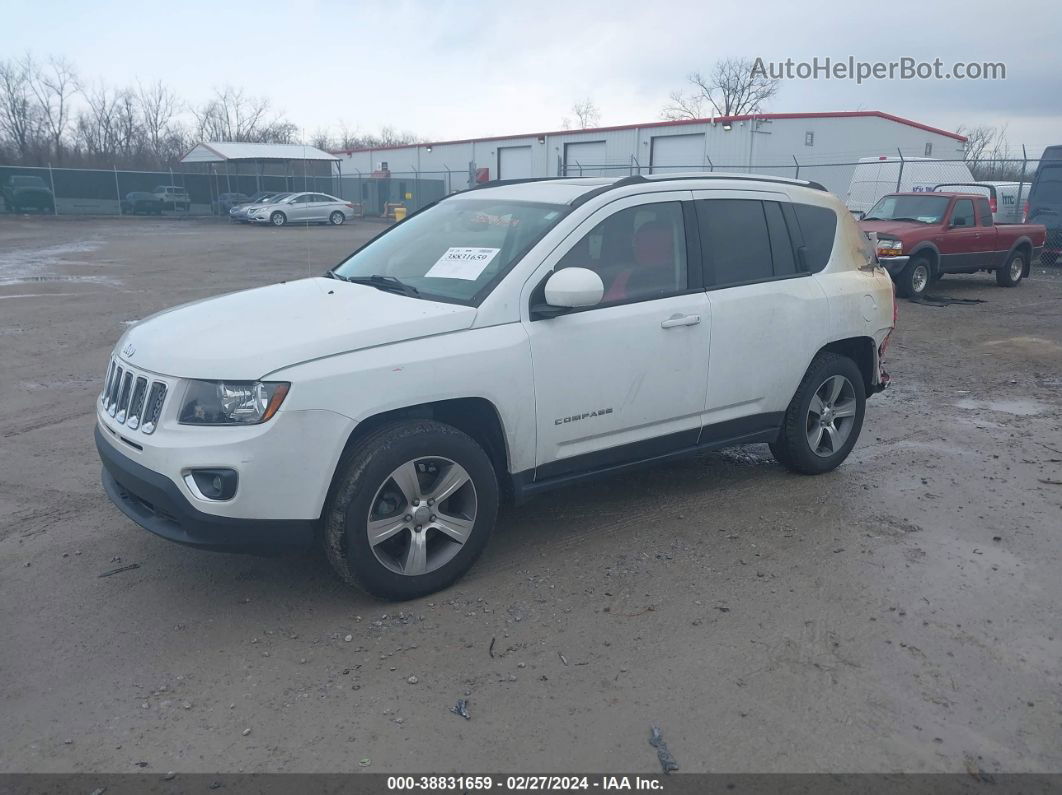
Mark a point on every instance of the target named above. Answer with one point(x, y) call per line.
point(1020, 407)
point(36, 265)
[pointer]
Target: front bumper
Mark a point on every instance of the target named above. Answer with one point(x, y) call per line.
point(155, 503)
point(894, 265)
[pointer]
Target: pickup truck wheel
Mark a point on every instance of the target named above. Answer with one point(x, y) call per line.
point(914, 279)
point(824, 418)
point(412, 508)
point(1010, 274)
point(278, 218)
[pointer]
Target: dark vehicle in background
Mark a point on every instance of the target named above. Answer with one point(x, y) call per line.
point(137, 202)
point(921, 236)
point(1045, 202)
point(23, 193)
point(226, 201)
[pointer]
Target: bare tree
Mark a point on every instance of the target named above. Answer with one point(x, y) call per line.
point(734, 88)
point(19, 121)
point(157, 107)
point(232, 115)
point(985, 153)
point(587, 114)
point(54, 86)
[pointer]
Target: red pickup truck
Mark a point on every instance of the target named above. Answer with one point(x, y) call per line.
point(922, 236)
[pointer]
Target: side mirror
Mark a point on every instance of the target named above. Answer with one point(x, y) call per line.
point(857, 214)
point(570, 288)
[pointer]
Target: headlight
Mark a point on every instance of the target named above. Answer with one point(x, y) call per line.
point(889, 248)
point(231, 402)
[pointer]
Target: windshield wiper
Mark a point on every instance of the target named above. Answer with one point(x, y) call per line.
point(388, 283)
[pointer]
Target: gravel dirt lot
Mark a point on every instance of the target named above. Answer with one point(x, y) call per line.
point(899, 614)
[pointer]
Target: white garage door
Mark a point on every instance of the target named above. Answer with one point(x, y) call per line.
point(514, 162)
point(677, 153)
point(585, 159)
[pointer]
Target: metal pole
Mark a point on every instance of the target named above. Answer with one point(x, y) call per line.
point(899, 177)
point(1021, 183)
point(51, 179)
point(797, 162)
point(711, 165)
point(117, 189)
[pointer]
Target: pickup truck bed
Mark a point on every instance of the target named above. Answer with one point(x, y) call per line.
point(920, 236)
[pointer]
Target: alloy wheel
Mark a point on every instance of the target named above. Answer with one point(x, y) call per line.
point(831, 416)
point(422, 515)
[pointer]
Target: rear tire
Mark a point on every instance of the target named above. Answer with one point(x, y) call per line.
point(393, 474)
point(337, 218)
point(914, 279)
point(827, 411)
point(1010, 275)
point(278, 218)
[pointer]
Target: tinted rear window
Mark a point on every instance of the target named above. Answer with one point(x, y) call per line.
point(734, 240)
point(818, 225)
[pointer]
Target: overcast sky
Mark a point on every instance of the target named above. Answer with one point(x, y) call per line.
point(448, 69)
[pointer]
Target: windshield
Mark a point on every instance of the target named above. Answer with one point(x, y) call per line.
point(456, 249)
point(923, 209)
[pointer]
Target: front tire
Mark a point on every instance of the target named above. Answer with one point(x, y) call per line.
point(1010, 275)
point(824, 418)
point(914, 279)
point(412, 508)
point(336, 218)
point(278, 218)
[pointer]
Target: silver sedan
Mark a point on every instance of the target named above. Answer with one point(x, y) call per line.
point(303, 208)
point(243, 212)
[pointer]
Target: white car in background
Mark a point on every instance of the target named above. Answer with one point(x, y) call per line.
point(509, 339)
point(303, 208)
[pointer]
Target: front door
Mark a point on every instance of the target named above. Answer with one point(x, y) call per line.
point(962, 244)
point(626, 379)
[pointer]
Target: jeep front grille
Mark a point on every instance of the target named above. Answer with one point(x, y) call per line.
point(133, 399)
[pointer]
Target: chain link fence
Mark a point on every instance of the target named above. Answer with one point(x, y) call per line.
point(859, 183)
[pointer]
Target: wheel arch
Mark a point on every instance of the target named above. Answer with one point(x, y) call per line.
point(1024, 245)
point(929, 252)
point(475, 416)
point(860, 350)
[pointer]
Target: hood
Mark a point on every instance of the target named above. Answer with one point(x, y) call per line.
point(247, 335)
point(892, 228)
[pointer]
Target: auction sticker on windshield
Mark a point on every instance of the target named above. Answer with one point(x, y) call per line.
point(462, 263)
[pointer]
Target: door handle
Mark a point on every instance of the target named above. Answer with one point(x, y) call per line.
point(681, 320)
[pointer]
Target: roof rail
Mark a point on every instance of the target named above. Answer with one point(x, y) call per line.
point(638, 179)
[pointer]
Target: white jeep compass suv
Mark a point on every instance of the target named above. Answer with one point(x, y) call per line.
point(502, 341)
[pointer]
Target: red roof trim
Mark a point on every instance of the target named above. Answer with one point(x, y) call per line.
point(653, 124)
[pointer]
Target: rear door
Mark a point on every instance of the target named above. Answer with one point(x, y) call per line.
point(769, 313)
point(993, 245)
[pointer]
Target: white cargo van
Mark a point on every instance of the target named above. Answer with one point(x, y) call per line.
point(1004, 198)
point(875, 177)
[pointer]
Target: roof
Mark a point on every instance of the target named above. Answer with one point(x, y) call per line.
point(221, 151)
point(576, 190)
point(679, 122)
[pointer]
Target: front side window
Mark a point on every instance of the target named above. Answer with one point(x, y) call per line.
point(457, 249)
point(639, 253)
point(963, 214)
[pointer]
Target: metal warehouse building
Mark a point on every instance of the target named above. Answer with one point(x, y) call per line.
point(817, 146)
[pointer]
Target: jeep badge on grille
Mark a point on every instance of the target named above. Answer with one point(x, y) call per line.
point(128, 350)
